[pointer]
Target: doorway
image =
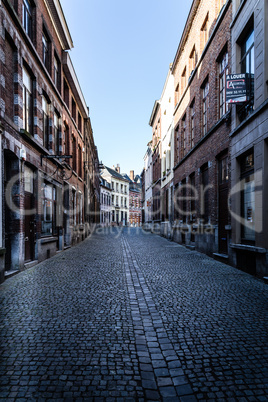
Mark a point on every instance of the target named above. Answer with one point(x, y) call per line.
point(11, 217)
point(223, 203)
point(29, 218)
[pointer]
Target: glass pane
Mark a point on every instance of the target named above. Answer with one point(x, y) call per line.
point(28, 180)
point(252, 65)
point(27, 82)
point(48, 192)
point(250, 41)
point(44, 105)
point(249, 208)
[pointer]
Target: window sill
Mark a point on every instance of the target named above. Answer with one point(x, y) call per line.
point(246, 247)
point(249, 118)
point(45, 240)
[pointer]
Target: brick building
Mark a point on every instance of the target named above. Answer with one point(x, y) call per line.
point(135, 199)
point(155, 123)
point(46, 199)
point(202, 126)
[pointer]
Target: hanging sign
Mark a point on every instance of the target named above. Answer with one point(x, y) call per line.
point(239, 87)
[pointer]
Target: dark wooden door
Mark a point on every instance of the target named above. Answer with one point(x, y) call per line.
point(29, 227)
point(223, 204)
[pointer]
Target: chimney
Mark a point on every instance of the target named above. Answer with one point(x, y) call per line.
point(131, 175)
point(117, 168)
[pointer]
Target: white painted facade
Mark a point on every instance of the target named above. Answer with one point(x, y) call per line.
point(105, 203)
point(119, 196)
point(167, 130)
point(167, 152)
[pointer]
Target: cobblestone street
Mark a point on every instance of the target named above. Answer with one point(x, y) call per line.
point(133, 317)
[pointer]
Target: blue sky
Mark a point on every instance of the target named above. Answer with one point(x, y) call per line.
point(122, 51)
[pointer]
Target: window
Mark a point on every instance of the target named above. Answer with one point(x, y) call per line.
point(45, 50)
point(73, 207)
point(45, 108)
point(177, 144)
point(56, 133)
point(48, 209)
point(247, 66)
point(204, 33)
point(184, 136)
point(223, 71)
point(27, 101)
point(205, 108)
point(73, 110)
point(57, 76)
point(192, 60)
point(223, 170)
point(163, 160)
point(205, 194)
point(183, 80)
point(192, 197)
point(177, 94)
point(184, 200)
point(67, 139)
point(79, 122)
point(9, 69)
point(192, 108)
point(66, 93)
point(79, 161)
point(80, 208)
point(27, 17)
point(247, 54)
point(74, 154)
point(248, 198)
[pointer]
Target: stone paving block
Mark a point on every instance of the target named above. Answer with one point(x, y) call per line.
point(149, 384)
point(184, 390)
point(164, 381)
point(167, 392)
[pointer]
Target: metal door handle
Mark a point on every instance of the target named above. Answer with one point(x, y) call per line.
point(26, 238)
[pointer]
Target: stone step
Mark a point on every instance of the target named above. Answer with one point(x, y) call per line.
point(30, 264)
point(221, 257)
point(9, 274)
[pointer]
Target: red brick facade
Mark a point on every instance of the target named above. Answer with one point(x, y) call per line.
point(202, 127)
point(43, 113)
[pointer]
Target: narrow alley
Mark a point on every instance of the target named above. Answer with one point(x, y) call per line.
point(130, 316)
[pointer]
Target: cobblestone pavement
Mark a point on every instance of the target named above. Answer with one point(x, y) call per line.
point(133, 317)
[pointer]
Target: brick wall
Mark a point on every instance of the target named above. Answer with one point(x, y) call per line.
point(205, 148)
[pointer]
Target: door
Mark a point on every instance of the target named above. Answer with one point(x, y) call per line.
point(223, 204)
point(29, 219)
point(11, 220)
point(29, 227)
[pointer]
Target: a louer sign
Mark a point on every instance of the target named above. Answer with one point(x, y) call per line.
point(239, 87)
